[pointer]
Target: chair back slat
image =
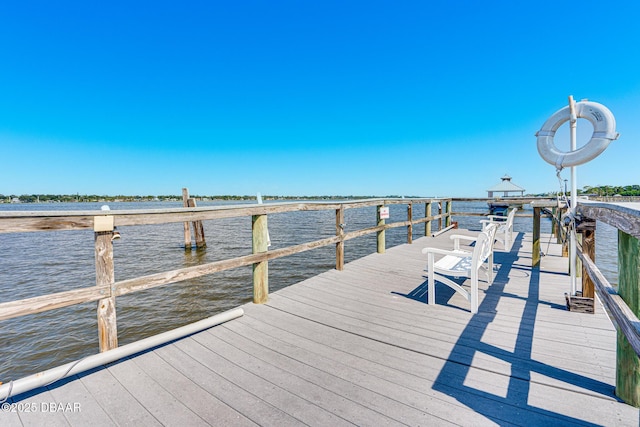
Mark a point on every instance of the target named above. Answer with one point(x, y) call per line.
point(484, 245)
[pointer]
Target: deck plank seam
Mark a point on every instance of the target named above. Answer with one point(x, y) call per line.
point(133, 362)
point(106, 371)
point(297, 360)
point(323, 305)
point(199, 340)
point(454, 389)
point(432, 395)
point(202, 390)
point(77, 378)
point(427, 325)
point(230, 381)
point(488, 349)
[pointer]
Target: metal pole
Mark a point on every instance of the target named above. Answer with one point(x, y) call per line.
point(574, 196)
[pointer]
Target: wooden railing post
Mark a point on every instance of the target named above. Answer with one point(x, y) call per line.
point(588, 231)
point(448, 211)
point(105, 278)
point(427, 214)
point(440, 215)
point(557, 216)
point(260, 269)
point(381, 235)
point(535, 252)
point(340, 233)
point(410, 226)
point(627, 362)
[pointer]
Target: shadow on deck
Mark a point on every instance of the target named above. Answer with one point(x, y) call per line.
point(451, 379)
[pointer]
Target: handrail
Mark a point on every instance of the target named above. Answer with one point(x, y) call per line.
point(108, 288)
point(621, 314)
point(621, 304)
point(626, 218)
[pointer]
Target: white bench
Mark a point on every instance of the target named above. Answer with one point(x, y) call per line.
point(462, 263)
point(504, 233)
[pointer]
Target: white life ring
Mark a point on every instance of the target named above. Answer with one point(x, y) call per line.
point(604, 131)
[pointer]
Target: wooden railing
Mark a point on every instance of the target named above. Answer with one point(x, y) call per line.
point(623, 304)
point(103, 223)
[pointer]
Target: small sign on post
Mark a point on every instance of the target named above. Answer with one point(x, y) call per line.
point(384, 212)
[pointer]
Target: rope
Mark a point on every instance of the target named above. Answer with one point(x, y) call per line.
point(9, 393)
point(73, 365)
point(561, 195)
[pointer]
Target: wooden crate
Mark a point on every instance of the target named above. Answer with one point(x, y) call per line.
point(579, 304)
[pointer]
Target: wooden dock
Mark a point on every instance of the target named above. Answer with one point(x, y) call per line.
point(362, 347)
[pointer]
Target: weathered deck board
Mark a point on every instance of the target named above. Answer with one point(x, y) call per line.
point(362, 347)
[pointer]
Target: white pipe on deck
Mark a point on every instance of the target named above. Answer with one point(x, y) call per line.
point(50, 376)
point(437, 233)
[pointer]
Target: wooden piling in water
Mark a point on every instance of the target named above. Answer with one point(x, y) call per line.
point(198, 227)
point(187, 227)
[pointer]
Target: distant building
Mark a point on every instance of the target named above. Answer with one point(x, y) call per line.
point(505, 187)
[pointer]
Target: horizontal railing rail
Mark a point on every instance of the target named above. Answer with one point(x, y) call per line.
point(621, 304)
point(627, 221)
point(620, 313)
point(103, 224)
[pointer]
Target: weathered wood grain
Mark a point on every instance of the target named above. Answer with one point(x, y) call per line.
point(105, 276)
point(48, 302)
point(260, 269)
point(623, 216)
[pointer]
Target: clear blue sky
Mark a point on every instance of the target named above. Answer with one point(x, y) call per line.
point(308, 98)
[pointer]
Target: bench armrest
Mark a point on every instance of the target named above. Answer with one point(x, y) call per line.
point(456, 240)
point(444, 252)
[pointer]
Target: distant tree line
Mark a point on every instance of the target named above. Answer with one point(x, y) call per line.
point(66, 198)
point(601, 191)
point(609, 190)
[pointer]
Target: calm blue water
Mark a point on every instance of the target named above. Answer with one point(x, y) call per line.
point(33, 264)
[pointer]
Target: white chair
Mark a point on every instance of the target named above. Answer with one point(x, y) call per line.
point(462, 263)
point(504, 233)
